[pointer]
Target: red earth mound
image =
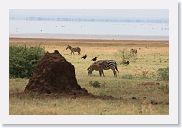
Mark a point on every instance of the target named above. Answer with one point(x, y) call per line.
point(54, 74)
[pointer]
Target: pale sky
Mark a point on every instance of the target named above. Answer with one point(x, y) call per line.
point(132, 13)
point(121, 22)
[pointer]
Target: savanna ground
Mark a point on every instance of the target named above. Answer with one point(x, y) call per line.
point(136, 89)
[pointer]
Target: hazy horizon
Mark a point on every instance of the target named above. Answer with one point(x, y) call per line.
point(118, 23)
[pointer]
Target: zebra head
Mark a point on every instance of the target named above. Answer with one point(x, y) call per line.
point(95, 66)
point(68, 47)
point(90, 69)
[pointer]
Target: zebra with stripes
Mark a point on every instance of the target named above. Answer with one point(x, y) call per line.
point(101, 65)
point(73, 50)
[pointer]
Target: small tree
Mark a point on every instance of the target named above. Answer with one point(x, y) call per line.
point(22, 60)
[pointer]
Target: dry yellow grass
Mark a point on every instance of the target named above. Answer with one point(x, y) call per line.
point(152, 55)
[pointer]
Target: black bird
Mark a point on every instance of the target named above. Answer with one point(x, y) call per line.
point(126, 62)
point(84, 57)
point(94, 59)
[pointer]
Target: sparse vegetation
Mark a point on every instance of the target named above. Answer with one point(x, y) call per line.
point(126, 55)
point(163, 73)
point(145, 73)
point(127, 76)
point(95, 84)
point(129, 83)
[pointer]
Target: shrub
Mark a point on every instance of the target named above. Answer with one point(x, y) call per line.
point(163, 73)
point(22, 60)
point(126, 55)
point(95, 84)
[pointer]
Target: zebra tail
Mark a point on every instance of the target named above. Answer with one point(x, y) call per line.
point(116, 68)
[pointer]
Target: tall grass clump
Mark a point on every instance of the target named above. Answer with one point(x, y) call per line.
point(163, 73)
point(22, 60)
point(126, 55)
point(95, 84)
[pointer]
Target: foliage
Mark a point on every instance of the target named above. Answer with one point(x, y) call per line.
point(22, 60)
point(95, 84)
point(163, 73)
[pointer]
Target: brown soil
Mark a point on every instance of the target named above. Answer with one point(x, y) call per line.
point(53, 74)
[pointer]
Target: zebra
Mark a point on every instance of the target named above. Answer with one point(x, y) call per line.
point(101, 65)
point(76, 49)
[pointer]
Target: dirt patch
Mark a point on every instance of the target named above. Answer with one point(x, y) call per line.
point(54, 74)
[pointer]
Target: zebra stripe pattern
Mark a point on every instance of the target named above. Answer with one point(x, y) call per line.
point(73, 50)
point(103, 65)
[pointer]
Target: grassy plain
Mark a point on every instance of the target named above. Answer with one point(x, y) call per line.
point(137, 89)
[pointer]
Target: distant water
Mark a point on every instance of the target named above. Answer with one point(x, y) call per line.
point(88, 27)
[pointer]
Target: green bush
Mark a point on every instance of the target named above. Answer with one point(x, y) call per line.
point(163, 73)
point(95, 84)
point(22, 60)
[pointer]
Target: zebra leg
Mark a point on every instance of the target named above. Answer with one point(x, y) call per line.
point(114, 72)
point(79, 51)
point(100, 73)
point(103, 73)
